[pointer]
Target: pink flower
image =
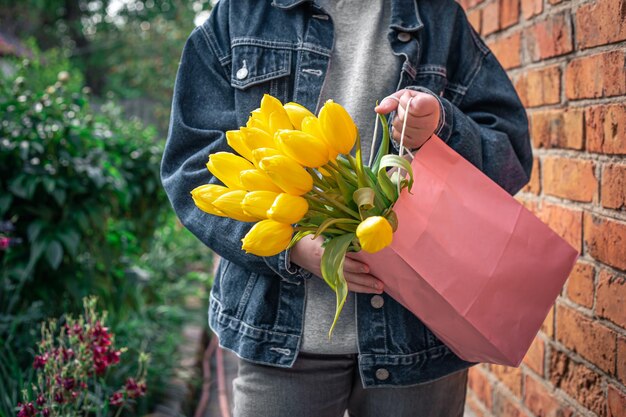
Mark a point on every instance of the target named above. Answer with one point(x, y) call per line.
point(40, 400)
point(5, 242)
point(116, 399)
point(26, 410)
point(40, 361)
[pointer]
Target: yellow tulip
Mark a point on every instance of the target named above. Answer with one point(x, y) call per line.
point(267, 238)
point(257, 203)
point(256, 180)
point(255, 138)
point(279, 120)
point(311, 125)
point(204, 195)
point(270, 105)
point(306, 149)
point(338, 127)
point(259, 120)
point(230, 205)
point(297, 113)
point(287, 174)
point(261, 153)
point(226, 167)
point(235, 140)
point(374, 234)
point(288, 208)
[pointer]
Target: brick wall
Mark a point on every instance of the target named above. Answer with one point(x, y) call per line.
point(567, 60)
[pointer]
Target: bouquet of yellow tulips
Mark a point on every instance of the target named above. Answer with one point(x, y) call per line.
point(294, 176)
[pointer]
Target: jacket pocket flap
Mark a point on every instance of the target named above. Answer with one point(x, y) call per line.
point(253, 64)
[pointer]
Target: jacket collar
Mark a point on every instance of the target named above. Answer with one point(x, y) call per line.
point(404, 13)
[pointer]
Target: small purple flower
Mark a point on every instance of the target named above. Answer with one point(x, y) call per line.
point(26, 410)
point(117, 398)
point(40, 400)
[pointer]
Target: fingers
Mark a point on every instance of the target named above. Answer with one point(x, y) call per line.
point(364, 283)
point(422, 104)
point(389, 103)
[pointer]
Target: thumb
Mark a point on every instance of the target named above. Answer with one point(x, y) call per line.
point(389, 103)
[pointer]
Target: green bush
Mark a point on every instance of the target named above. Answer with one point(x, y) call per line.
point(80, 186)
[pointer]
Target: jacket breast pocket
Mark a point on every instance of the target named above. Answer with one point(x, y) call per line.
point(258, 69)
point(432, 77)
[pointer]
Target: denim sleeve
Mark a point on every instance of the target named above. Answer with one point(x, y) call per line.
point(203, 108)
point(489, 126)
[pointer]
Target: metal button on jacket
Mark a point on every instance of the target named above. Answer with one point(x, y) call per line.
point(404, 37)
point(382, 374)
point(242, 73)
point(377, 301)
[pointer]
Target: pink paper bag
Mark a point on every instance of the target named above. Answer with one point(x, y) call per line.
point(479, 269)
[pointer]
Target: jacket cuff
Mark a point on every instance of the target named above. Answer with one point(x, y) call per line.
point(444, 127)
point(282, 265)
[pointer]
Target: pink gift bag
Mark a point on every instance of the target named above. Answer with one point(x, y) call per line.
point(479, 269)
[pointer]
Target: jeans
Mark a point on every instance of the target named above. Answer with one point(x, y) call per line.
point(328, 385)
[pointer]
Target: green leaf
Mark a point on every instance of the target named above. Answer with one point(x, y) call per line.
point(33, 230)
point(387, 186)
point(329, 222)
point(5, 203)
point(298, 236)
point(54, 254)
point(70, 239)
point(59, 196)
point(364, 198)
point(383, 149)
point(396, 161)
point(332, 270)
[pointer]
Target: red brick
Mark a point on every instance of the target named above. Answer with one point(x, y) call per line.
point(504, 407)
point(549, 38)
point(475, 406)
point(510, 377)
point(601, 22)
point(591, 340)
point(509, 13)
point(621, 359)
point(563, 128)
point(478, 382)
point(539, 87)
point(580, 287)
point(507, 50)
point(606, 129)
point(534, 185)
point(491, 21)
point(566, 222)
point(578, 381)
point(600, 75)
point(548, 324)
point(613, 188)
point(475, 18)
point(616, 402)
point(535, 356)
point(540, 399)
point(573, 179)
point(531, 8)
point(611, 298)
point(606, 240)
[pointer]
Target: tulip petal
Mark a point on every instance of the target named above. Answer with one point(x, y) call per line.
point(297, 113)
point(254, 179)
point(267, 238)
point(287, 174)
point(226, 167)
point(257, 203)
point(288, 208)
point(230, 204)
point(306, 149)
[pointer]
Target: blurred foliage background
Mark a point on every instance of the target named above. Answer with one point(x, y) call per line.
point(84, 108)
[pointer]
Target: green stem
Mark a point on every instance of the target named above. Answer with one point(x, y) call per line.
point(337, 204)
point(347, 175)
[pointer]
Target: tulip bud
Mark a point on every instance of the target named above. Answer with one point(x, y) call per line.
point(254, 179)
point(338, 127)
point(257, 203)
point(256, 138)
point(258, 120)
point(374, 234)
point(226, 167)
point(306, 149)
point(204, 196)
point(312, 126)
point(270, 104)
point(235, 140)
point(297, 113)
point(267, 238)
point(230, 205)
point(287, 174)
point(279, 120)
point(261, 153)
point(288, 208)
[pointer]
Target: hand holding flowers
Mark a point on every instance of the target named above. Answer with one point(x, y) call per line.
point(295, 177)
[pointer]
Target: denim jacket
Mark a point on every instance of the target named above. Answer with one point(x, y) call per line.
point(283, 47)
